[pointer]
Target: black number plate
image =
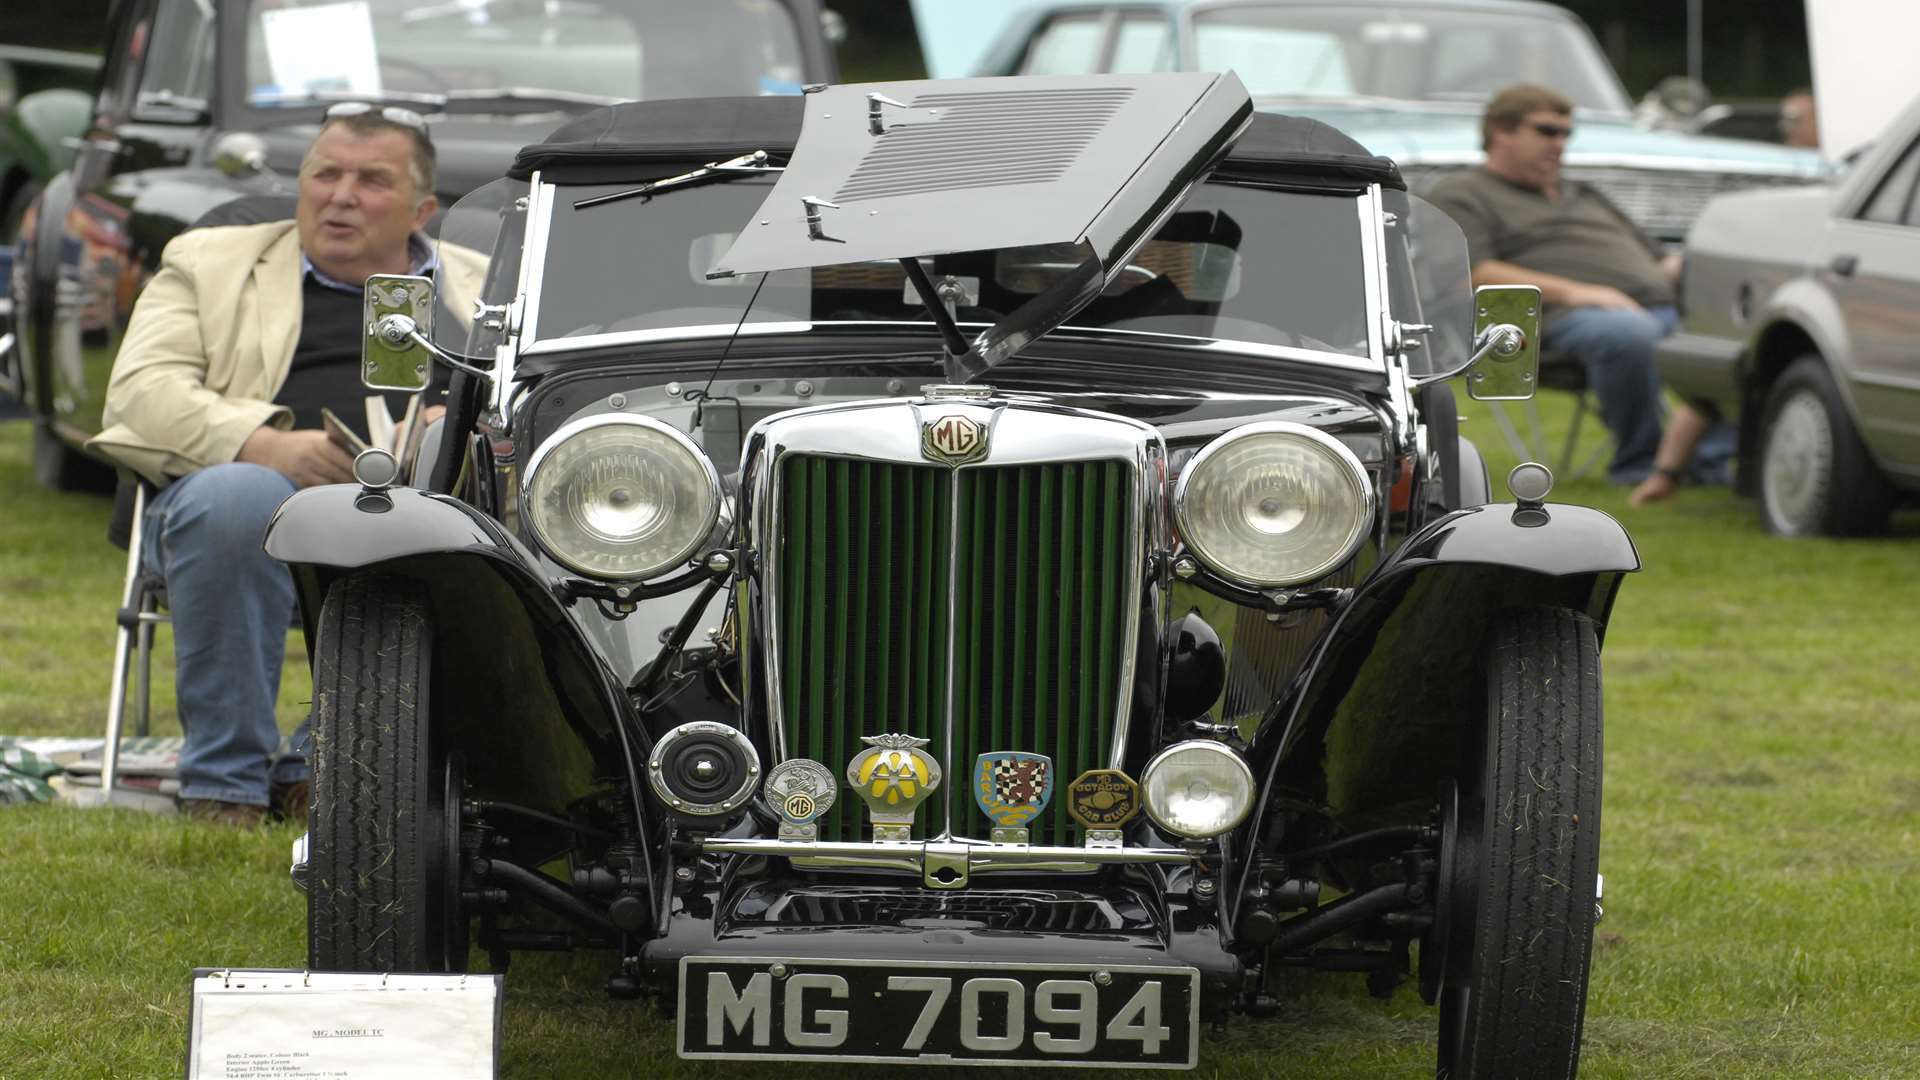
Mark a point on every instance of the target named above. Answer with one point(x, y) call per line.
point(864, 1010)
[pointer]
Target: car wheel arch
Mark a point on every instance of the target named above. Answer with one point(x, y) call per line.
point(524, 692)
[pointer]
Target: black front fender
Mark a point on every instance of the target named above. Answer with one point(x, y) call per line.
point(541, 718)
point(1372, 723)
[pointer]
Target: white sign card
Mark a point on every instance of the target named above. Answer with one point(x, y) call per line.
point(324, 1025)
point(325, 50)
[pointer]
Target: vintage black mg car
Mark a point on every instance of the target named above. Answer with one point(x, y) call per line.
point(947, 572)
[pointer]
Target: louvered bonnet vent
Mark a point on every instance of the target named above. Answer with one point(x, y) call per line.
point(965, 141)
point(911, 169)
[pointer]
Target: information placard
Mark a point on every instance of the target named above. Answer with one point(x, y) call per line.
point(320, 1025)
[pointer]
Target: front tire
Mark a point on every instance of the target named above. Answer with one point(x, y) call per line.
point(1816, 477)
point(1523, 851)
point(383, 853)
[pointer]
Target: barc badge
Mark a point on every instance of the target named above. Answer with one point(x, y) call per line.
point(1012, 788)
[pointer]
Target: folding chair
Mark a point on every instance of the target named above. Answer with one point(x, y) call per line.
point(1558, 371)
point(143, 599)
point(143, 602)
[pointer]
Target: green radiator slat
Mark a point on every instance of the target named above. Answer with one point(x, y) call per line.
point(1067, 719)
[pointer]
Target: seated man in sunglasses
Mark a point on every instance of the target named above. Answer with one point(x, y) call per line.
point(246, 333)
point(1609, 293)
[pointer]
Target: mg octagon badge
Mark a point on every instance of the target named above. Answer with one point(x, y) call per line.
point(953, 438)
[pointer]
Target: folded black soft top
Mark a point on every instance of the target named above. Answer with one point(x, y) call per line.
point(633, 140)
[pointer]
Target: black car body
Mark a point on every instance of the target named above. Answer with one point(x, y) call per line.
point(199, 103)
point(901, 550)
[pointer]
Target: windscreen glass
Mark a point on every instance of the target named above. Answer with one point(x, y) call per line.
point(1235, 263)
point(1402, 52)
point(1429, 284)
point(480, 240)
point(446, 52)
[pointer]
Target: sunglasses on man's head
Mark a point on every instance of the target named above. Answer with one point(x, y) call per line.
point(1552, 131)
point(393, 114)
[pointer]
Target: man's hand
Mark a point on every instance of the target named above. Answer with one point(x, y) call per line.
point(1582, 294)
point(305, 457)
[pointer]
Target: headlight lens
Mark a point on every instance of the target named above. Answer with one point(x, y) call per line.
point(621, 496)
point(1197, 790)
point(1274, 504)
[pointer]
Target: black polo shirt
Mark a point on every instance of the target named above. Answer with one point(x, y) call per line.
point(325, 372)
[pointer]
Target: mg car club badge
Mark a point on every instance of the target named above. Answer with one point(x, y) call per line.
point(953, 438)
point(893, 778)
point(1103, 800)
point(1012, 788)
point(801, 792)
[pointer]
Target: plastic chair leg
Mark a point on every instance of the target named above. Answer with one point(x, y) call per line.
point(143, 670)
point(1498, 410)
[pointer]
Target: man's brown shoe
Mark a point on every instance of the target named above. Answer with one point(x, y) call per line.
point(290, 800)
point(240, 815)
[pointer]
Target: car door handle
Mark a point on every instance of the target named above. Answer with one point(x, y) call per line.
point(1845, 265)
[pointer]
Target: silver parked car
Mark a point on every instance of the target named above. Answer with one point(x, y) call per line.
point(1802, 316)
point(1409, 79)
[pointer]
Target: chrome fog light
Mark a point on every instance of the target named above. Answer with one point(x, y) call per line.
point(1273, 504)
point(621, 497)
point(704, 769)
point(1197, 790)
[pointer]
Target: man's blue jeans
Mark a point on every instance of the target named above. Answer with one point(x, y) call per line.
point(1616, 346)
point(231, 607)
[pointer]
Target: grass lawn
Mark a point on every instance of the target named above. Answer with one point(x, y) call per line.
point(1762, 835)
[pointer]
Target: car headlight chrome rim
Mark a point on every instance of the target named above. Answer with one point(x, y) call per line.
point(1274, 504)
point(1197, 790)
point(621, 497)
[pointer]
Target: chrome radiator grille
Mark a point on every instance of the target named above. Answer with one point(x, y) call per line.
point(1024, 570)
point(1664, 202)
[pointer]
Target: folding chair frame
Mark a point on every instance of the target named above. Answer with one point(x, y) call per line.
point(139, 613)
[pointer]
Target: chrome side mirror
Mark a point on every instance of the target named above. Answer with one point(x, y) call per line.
point(395, 355)
point(1506, 343)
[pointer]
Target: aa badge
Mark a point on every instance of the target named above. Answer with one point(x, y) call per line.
point(1103, 798)
point(954, 438)
point(893, 777)
point(801, 792)
point(1012, 789)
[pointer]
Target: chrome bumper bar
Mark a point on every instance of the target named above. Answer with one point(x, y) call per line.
point(945, 864)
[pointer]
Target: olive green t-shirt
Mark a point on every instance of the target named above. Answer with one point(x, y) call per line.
point(1580, 235)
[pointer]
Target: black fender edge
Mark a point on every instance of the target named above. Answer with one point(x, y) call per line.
point(541, 719)
point(1371, 724)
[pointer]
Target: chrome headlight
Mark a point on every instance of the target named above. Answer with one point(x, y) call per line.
point(620, 497)
point(1273, 504)
point(1197, 790)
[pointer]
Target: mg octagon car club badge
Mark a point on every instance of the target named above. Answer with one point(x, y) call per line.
point(1012, 788)
point(1103, 800)
point(953, 438)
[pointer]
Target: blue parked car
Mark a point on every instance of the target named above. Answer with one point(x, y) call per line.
point(1408, 79)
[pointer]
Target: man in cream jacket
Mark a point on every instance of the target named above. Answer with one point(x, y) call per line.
point(233, 349)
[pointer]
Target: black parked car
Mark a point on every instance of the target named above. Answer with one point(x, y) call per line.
point(199, 103)
point(951, 572)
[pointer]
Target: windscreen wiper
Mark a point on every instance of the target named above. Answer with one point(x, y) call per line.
point(744, 165)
